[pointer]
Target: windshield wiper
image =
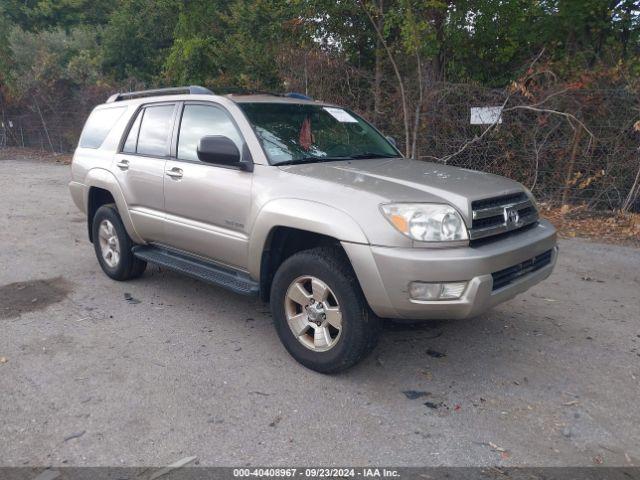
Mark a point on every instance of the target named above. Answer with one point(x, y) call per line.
point(356, 156)
point(313, 160)
point(372, 155)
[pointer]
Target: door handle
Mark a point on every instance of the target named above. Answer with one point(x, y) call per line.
point(123, 164)
point(174, 173)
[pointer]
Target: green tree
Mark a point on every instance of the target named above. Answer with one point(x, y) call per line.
point(34, 15)
point(489, 41)
point(49, 60)
point(229, 44)
point(138, 37)
point(6, 57)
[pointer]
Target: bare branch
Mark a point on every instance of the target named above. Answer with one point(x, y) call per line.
point(474, 140)
point(396, 70)
point(570, 117)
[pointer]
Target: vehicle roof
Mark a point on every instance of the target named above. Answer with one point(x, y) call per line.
point(267, 98)
point(257, 98)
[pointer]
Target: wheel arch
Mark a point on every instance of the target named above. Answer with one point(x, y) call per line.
point(102, 188)
point(286, 226)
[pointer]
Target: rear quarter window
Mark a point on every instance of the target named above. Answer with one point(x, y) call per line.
point(98, 126)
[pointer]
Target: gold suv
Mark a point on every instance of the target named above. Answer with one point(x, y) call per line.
point(307, 205)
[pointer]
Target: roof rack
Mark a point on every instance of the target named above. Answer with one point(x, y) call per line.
point(299, 96)
point(190, 90)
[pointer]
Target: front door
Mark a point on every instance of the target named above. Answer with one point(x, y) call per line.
point(140, 167)
point(206, 205)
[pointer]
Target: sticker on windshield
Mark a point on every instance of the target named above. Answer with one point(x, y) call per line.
point(340, 115)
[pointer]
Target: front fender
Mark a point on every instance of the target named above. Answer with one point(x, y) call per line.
point(102, 178)
point(304, 215)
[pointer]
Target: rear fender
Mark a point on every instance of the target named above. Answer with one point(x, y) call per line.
point(102, 178)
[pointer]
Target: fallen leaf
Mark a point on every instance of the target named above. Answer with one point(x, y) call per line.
point(435, 353)
point(275, 421)
point(47, 475)
point(414, 394)
point(130, 299)
point(590, 279)
point(496, 447)
point(75, 435)
point(179, 464)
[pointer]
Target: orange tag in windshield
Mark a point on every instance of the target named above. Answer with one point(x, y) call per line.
point(306, 138)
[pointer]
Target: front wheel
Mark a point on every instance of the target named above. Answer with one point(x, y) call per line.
point(320, 313)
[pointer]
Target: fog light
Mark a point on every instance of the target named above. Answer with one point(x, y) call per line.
point(436, 291)
point(453, 290)
point(425, 291)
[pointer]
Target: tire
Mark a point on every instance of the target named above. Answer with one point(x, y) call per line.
point(359, 327)
point(125, 265)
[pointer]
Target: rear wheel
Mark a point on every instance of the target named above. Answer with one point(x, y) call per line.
point(113, 245)
point(320, 313)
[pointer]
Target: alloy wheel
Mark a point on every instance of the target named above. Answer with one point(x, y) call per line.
point(109, 243)
point(313, 313)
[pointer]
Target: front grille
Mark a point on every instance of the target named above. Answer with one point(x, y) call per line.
point(507, 276)
point(500, 236)
point(491, 215)
point(499, 201)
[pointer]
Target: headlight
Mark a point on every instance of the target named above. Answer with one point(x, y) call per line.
point(425, 222)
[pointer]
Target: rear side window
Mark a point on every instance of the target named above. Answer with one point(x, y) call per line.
point(131, 143)
point(98, 126)
point(153, 138)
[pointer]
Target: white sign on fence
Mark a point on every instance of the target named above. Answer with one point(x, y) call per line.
point(486, 115)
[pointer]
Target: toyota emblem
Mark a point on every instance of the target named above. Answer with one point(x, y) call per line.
point(511, 217)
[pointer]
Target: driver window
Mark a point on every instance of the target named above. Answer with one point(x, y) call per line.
point(200, 120)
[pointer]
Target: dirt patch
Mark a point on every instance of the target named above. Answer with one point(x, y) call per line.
point(17, 153)
point(604, 227)
point(22, 297)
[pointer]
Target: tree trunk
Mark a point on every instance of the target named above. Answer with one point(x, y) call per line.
point(396, 71)
point(377, 82)
point(572, 162)
point(44, 125)
point(626, 28)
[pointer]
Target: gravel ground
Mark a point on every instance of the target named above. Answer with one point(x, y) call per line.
point(182, 368)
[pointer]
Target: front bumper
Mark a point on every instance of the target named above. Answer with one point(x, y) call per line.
point(385, 273)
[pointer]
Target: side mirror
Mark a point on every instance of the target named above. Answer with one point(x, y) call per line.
point(221, 150)
point(392, 141)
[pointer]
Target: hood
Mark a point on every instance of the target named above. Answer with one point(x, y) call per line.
point(404, 180)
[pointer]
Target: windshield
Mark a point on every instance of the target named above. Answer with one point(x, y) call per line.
point(300, 133)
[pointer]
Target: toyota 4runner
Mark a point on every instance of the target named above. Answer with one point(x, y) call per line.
point(307, 205)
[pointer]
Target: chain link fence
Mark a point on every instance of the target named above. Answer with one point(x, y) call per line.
point(569, 146)
point(55, 131)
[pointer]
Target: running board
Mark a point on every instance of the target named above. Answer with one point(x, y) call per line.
point(238, 282)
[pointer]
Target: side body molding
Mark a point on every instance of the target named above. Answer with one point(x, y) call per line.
point(304, 215)
point(102, 178)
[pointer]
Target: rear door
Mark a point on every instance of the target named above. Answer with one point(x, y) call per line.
point(207, 205)
point(140, 165)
